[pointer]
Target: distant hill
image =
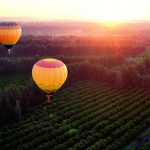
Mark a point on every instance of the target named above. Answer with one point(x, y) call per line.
point(65, 27)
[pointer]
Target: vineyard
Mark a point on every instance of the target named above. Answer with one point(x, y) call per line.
point(87, 115)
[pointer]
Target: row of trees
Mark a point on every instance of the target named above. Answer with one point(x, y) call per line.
point(72, 46)
point(23, 65)
point(109, 69)
point(136, 75)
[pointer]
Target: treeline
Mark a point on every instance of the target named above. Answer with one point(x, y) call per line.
point(23, 65)
point(17, 65)
point(110, 69)
point(123, 76)
point(73, 46)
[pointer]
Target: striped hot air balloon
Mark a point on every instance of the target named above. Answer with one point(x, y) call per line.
point(10, 33)
point(49, 75)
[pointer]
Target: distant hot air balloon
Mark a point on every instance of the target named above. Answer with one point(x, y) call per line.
point(49, 75)
point(10, 33)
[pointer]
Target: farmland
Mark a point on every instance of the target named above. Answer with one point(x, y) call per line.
point(103, 105)
point(86, 115)
point(6, 81)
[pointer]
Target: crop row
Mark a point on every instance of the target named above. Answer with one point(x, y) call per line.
point(99, 116)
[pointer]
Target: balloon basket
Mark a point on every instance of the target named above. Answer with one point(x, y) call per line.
point(9, 51)
point(49, 98)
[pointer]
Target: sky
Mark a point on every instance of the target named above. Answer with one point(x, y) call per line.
point(97, 10)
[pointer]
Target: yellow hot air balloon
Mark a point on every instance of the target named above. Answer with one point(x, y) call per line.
point(49, 75)
point(10, 33)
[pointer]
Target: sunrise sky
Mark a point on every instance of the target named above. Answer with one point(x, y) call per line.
point(97, 10)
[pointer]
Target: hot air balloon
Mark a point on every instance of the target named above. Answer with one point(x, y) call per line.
point(10, 33)
point(49, 75)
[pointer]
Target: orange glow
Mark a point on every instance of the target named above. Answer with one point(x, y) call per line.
point(89, 10)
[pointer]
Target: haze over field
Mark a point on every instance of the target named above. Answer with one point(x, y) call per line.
point(79, 28)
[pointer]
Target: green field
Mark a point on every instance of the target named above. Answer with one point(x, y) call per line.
point(6, 81)
point(85, 116)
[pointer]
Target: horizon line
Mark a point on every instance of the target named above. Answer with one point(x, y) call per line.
point(32, 19)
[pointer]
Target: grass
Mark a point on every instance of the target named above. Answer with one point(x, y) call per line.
point(18, 80)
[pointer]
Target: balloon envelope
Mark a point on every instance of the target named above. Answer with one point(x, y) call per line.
point(10, 33)
point(49, 74)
